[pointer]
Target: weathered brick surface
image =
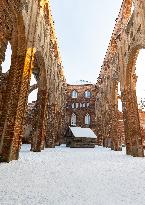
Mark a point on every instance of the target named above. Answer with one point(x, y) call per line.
point(119, 67)
point(81, 111)
point(29, 27)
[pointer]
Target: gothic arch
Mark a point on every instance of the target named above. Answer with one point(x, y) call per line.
point(119, 66)
point(38, 135)
point(12, 114)
point(130, 110)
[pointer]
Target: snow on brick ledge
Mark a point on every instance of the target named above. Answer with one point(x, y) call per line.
point(82, 132)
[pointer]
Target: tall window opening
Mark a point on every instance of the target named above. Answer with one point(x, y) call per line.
point(74, 94)
point(119, 98)
point(73, 105)
point(87, 119)
point(73, 119)
point(87, 94)
point(33, 95)
point(140, 90)
point(140, 85)
point(7, 62)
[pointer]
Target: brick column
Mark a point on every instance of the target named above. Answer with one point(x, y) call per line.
point(61, 129)
point(131, 124)
point(14, 108)
point(38, 134)
point(126, 128)
point(58, 128)
point(3, 46)
point(99, 132)
point(3, 78)
point(108, 129)
point(116, 144)
point(50, 133)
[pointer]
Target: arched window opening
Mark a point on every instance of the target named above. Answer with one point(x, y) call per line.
point(33, 95)
point(119, 98)
point(74, 94)
point(73, 120)
point(73, 105)
point(87, 119)
point(32, 98)
point(84, 104)
point(120, 105)
point(33, 80)
point(87, 94)
point(7, 62)
point(80, 105)
point(139, 79)
point(140, 73)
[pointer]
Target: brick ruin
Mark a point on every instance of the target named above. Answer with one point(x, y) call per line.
point(28, 123)
point(29, 28)
point(80, 107)
point(119, 67)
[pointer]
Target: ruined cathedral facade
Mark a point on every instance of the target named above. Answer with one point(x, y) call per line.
point(80, 105)
point(117, 80)
point(29, 28)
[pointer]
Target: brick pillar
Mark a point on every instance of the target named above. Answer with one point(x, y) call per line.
point(61, 129)
point(99, 132)
point(3, 92)
point(53, 125)
point(108, 137)
point(17, 88)
point(38, 134)
point(3, 46)
point(102, 120)
point(3, 77)
point(131, 124)
point(109, 127)
point(50, 132)
point(126, 125)
point(103, 128)
point(14, 108)
point(116, 144)
point(58, 128)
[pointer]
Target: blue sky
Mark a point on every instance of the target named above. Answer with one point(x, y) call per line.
point(84, 30)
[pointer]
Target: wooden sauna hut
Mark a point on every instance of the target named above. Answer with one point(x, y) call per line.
point(77, 137)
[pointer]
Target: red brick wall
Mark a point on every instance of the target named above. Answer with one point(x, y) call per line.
point(80, 112)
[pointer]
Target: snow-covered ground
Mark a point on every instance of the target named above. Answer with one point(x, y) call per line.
point(64, 176)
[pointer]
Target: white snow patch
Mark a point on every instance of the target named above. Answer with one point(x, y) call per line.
point(83, 132)
point(64, 176)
